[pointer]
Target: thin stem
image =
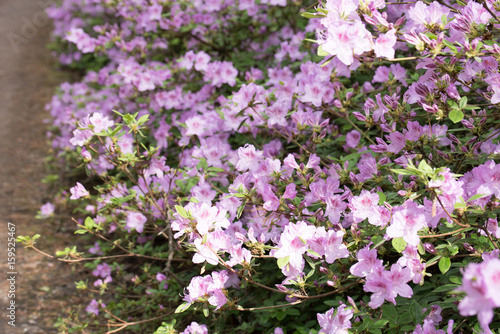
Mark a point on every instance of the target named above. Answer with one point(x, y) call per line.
point(442, 234)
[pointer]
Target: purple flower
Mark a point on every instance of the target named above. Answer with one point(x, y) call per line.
point(338, 323)
point(195, 328)
point(384, 45)
point(101, 123)
point(367, 262)
point(481, 283)
point(47, 210)
point(135, 220)
point(80, 137)
point(95, 249)
point(160, 277)
point(102, 270)
point(93, 307)
point(406, 221)
point(78, 191)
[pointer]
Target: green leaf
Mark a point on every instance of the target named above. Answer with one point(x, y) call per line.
point(313, 253)
point(206, 312)
point(182, 307)
point(452, 47)
point(283, 261)
point(390, 313)
point(416, 312)
point(143, 119)
point(321, 52)
point(463, 102)
point(456, 115)
point(367, 322)
point(423, 166)
point(477, 196)
point(444, 264)
point(446, 287)
point(404, 172)
point(181, 211)
point(240, 210)
point(381, 198)
point(80, 231)
point(308, 15)
point(89, 223)
point(453, 249)
point(379, 323)
point(421, 248)
point(399, 244)
point(311, 272)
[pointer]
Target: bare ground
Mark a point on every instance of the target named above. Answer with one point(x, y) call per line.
point(43, 288)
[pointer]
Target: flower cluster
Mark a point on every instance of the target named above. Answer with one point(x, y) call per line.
point(350, 156)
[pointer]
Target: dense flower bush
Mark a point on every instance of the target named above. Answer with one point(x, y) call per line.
point(276, 166)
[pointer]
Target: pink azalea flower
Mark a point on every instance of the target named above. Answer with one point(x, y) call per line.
point(195, 328)
point(293, 242)
point(93, 307)
point(207, 251)
point(335, 324)
point(384, 45)
point(78, 191)
point(135, 220)
point(47, 210)
point(365, 206)
point(481, 282)
point(80, 137)
point(367, 263)
point(101, 123)
point(249, 158)
point(346, 40)
point(208, 217)
point(406, 221)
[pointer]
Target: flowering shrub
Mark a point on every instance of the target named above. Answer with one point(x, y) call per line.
point(282, 167)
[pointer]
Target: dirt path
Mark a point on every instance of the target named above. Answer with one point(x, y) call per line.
point(27, 81)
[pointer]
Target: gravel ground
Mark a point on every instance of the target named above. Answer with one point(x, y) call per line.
point(43, 288)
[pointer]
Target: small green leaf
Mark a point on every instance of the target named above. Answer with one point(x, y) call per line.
point(446, 287)
point(477, 196)
point(453, 249)
point(240, 211)
point(205, 311)
point(381, 198)
point(313, 253)
point(421, 248)
point(321, 52)
point(283, 261)
point(444, 264)
point(463, 102)
point(416, 312)
point(293, 311)
point(390, 313)
point(423, 166)
point(456, 115)
point(399, 244)
point(403, 172)
point(182, 307)
point(181, 211)
point(89, 223)
point(308, 15)
point(452, 47)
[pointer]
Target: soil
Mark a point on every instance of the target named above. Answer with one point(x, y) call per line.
point(44, 288)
